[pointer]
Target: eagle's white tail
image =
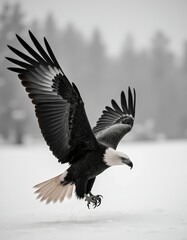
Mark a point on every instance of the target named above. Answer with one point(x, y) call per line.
point(53, 189)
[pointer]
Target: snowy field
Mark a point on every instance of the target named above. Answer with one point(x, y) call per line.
point(145, 203)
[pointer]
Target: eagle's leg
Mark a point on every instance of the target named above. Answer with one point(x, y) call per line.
point(95, 200)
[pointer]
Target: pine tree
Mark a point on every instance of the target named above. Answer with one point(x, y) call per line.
point(183, 93)
point(97, 80)
point(9, 97)
point(164, 96)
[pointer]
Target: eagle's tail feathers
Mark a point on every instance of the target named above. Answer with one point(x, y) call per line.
point(70, 191)
point(54, 189)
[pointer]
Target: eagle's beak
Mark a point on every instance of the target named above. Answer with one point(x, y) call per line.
point(127, 161)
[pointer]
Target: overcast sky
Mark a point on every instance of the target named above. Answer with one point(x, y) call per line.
point(116, 18)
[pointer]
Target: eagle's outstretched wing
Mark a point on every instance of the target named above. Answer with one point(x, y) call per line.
point(58, 104)
point(116, 122)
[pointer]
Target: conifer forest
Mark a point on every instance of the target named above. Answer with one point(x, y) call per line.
point(157, 73)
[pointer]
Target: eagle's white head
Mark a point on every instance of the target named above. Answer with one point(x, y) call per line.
point(113, 158)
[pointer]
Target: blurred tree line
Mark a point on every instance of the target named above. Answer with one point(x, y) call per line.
point(159, 76)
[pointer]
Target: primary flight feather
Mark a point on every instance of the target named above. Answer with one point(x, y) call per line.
point(65, 127)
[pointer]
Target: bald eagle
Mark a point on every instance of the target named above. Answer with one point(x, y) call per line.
point(65, 127)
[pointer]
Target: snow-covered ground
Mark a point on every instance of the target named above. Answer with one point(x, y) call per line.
point(147, 202)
